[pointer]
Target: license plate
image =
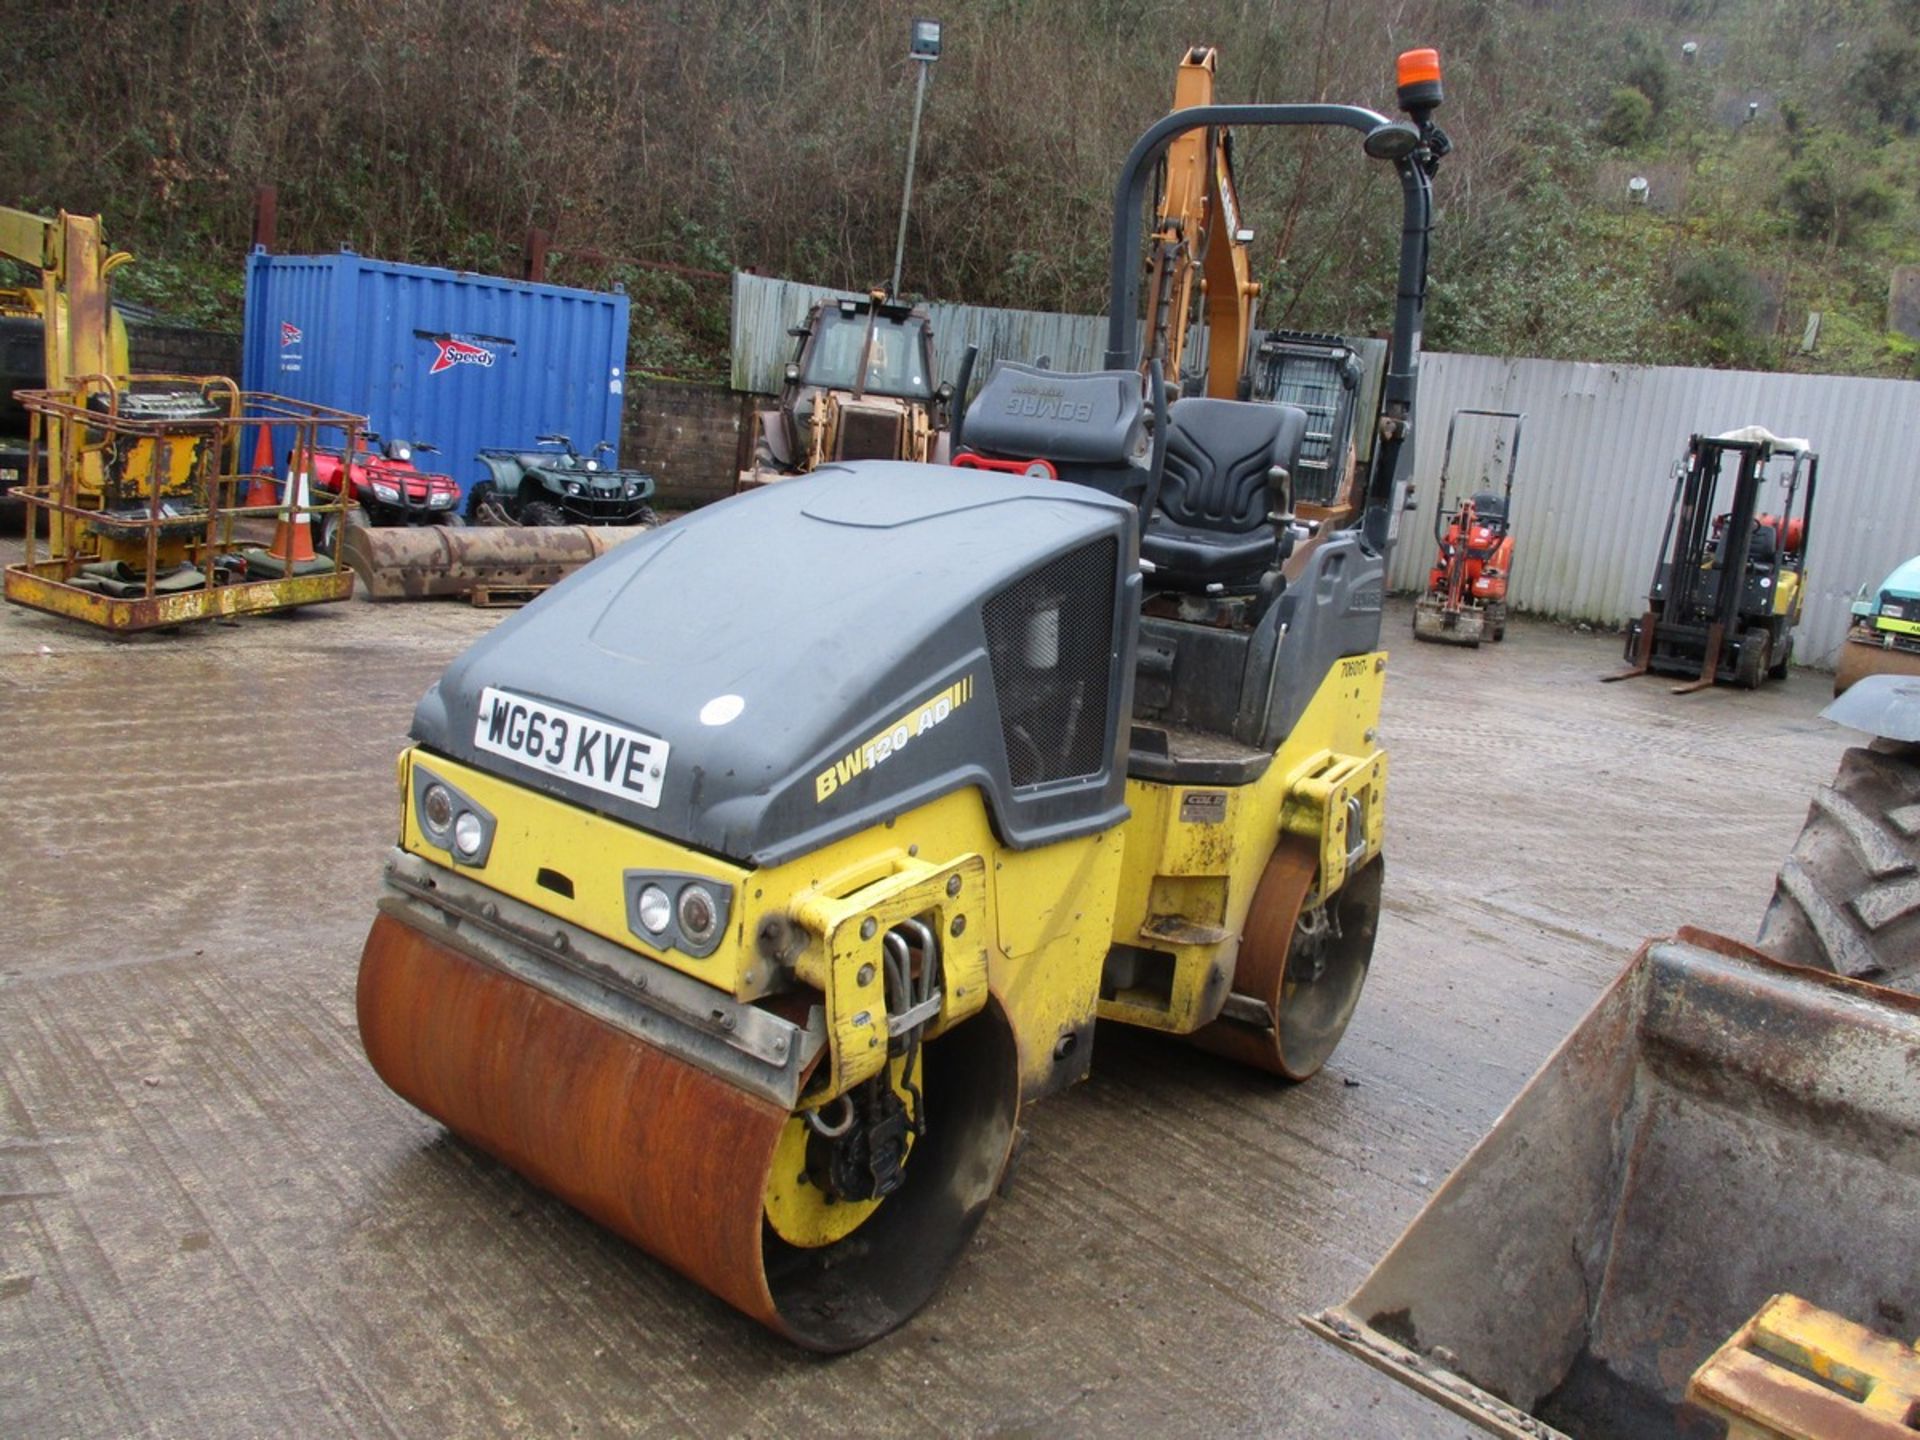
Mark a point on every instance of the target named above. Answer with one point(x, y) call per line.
point(563, 743)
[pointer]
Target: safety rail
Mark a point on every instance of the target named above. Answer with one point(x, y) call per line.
point(155, 512)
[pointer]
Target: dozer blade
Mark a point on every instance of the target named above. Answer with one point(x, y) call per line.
point(1297, 979)
point(664, 1151)
point(417, 562)
point(1720, 1128)
point(1433, 621)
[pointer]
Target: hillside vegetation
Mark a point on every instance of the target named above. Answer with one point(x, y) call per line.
point(1780, 154)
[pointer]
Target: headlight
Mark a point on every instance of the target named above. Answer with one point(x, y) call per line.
point(451, 820)
point(654, 909)
point(677, 911)
point(698, 914)
point(436, 810)
point(387, 493)
point(401, 452)
point(571, 488)
point(593, 465)
point(440, 500)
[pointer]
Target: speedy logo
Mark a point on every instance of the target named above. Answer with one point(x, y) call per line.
point(892, 740)
point(458, 352)
point(289, 334)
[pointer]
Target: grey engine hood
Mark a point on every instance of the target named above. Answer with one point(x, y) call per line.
point(832, 606)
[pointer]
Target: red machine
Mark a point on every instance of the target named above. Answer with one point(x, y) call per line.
point(387, 486)
point(1466, 595)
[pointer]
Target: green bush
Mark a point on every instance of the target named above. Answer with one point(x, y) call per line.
point(1628, 117)
point(1833, 188)
point(1887, 80)
point(1646, 68)
point(1719, 298)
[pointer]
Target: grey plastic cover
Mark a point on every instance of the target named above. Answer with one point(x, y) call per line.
point(794, 664)
point(1094, 418)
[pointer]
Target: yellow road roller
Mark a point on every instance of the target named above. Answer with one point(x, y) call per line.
point(749, 929)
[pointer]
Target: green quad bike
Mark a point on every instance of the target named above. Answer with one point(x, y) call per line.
point(559, 486)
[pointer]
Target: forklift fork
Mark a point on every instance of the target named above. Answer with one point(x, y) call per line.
point(1709, 664)
point(1643, 653)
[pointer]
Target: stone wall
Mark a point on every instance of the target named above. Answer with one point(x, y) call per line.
point(688, 437)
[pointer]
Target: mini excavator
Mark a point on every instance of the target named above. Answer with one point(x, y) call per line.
point(749, 931)
point(1466, 594)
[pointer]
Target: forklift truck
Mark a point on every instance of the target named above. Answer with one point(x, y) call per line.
point(1728, 585)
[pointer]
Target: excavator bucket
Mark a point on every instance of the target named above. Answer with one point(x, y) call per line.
point(418, 562)
point(1718, 1130)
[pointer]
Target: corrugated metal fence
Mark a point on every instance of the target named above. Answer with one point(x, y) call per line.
point(764, 308)
point(1596, 463)
point(1596, 466)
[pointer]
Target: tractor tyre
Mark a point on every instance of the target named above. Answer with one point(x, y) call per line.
point(1750, 666)
point(1778, 669)
point(1848, 897)
point(541, 512)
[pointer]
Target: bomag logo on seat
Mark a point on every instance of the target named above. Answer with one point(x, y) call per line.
point(891, 741)
point(1047, 402)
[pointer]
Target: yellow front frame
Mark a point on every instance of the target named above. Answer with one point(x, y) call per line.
point(1031, 928)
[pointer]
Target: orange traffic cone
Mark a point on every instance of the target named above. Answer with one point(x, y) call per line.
point(293, 534)
point(262, 490)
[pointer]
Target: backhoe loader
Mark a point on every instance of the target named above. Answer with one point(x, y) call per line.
point(750, 930)
point(860, 386)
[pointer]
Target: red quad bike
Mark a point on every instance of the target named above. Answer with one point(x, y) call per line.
point(387, 488)
point(1466, 594)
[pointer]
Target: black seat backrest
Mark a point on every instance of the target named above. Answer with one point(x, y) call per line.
point(1218, 455)
point(1088, 424)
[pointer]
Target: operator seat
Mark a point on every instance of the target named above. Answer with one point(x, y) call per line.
point(1089, 424)
point(1491, 507)
point(1212, 530)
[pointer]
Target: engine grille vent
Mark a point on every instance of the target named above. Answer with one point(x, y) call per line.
point(869, 433)
point(1050, 640)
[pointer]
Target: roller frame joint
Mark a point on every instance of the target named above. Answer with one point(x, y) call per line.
point(844, 960)
point(1323, 796)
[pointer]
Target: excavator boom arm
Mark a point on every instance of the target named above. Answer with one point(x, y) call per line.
point(1200, 244)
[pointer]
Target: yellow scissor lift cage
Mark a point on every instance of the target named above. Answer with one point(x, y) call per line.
point(154, 518)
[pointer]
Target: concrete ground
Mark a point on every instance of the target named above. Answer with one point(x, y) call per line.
point(215, 1221)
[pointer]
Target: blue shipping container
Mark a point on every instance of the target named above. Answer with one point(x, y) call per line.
point(456, 360)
